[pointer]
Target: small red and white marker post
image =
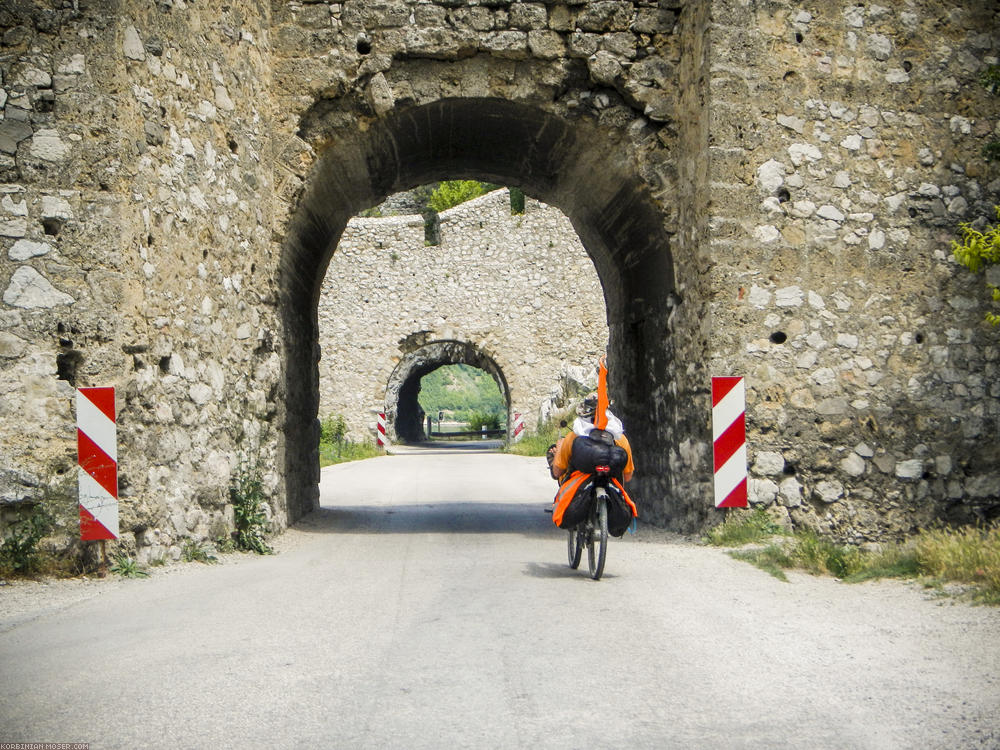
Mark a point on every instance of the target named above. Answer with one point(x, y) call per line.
point(97, 456)
point(517, 429)
point(729, 441)
point(381, 439)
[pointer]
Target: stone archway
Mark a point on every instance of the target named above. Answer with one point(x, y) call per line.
point(577, 166)
point(403, 413)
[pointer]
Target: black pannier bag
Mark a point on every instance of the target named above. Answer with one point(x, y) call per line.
point(588, 454)
point(619, 512)
point(578, 508)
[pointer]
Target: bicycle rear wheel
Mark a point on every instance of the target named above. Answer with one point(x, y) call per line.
point(574, 548)
point(597, 538)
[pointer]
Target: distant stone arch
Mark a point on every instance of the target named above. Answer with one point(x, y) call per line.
point(403, 413)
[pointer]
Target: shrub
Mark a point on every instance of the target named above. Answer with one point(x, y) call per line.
point(19, 554)
point(480, 419)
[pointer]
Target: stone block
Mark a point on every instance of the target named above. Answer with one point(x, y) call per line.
point(768, 463)
point(605, 15)
point(528, 16)
point(828, 491)
point(912, 468)
point(25, 249)
point(29, 289)
point(853, 465)
point(546, 45)
point(790, 491)
point(13, 132)
point(762, 491)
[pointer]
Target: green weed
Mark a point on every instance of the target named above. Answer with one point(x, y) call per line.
point(537, 442)
point(194, 552)
point(247, 496)
point(124, 565)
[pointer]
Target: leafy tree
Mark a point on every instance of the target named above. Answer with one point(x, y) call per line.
point(978, 250)
point(450, 193)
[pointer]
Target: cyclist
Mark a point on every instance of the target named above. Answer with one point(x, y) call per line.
point(560, 455)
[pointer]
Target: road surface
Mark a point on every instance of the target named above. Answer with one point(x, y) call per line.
point(428, 604)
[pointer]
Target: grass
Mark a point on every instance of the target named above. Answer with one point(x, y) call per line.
point(536, 443)
point(969, 555)
point(338, 453)
point(746, 528)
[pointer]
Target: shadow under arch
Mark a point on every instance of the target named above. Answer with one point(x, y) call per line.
point(574, 165)
point(402, 411)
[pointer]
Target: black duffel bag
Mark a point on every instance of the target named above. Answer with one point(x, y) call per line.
point(598, 449)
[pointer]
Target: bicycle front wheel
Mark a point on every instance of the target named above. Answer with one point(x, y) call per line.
point(597, 540)
point(574, 548)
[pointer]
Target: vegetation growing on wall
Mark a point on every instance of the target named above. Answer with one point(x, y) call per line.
point(979, 248)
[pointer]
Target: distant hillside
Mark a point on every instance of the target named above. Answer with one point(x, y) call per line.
point(459, 390)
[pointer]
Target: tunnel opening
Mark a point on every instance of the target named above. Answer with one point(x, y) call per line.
point(458, 399)
point(572, 165)
point(403, 409)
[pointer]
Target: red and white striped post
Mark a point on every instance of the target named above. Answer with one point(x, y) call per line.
point(381, 439)
point(97, 452)
point(729, 440)
point(517, 429)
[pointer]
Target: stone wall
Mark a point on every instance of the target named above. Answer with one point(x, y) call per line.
point(764, 188)
point(846, 149)
point(518, 288)
point(136, 253)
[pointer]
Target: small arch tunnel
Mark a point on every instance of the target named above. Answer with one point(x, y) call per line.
point(575, 165)
point(403, 411)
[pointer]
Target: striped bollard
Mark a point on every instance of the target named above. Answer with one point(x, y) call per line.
point(380, 437)
point(97, 456)
point(729, 442)
point(517, 431)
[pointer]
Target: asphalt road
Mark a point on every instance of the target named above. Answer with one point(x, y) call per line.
point(429, 605)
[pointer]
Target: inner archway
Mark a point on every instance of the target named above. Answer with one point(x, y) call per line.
point(575, 165)
point(402, 409)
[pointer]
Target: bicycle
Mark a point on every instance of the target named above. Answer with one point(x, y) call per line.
point(592, 532)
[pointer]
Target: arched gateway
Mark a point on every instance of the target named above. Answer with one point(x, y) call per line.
point(572, 165)
point(402, 410)
point(767, 192)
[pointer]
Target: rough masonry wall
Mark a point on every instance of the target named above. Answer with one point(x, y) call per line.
point(519, 288)
point(764, 188)
point(135, 253)
point(846, 146)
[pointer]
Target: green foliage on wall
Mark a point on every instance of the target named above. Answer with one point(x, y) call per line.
point(977, 250)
